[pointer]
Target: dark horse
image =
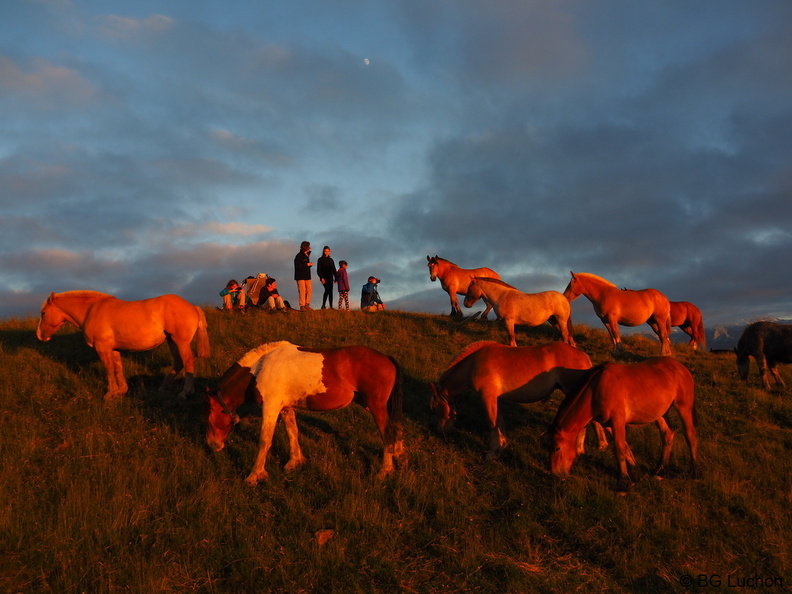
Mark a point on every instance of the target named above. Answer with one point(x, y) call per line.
point(769, 343)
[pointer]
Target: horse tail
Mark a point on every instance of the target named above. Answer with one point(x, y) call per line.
point(202, 334)
point(395, 405)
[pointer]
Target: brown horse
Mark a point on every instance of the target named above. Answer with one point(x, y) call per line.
point(629, 308)
point(769, 343)
point(111, 325)
point(515, 307)
point(687, 317)
point(282, 376)
point(618, 395)
point(498, 372)
point(455, 280)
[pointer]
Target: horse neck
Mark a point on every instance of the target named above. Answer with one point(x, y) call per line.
point(571, 381)
point(575, 411)
point(595, 287)
point(75, 305)
point(492, 290)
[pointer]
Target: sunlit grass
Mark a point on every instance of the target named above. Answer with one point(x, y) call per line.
point(125, 496)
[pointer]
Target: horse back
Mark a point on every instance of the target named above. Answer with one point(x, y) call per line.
point(770, 339)
point(641, 392)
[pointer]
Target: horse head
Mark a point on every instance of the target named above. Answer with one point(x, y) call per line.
point(445, 413)
point(220, 421)
point(474, 293)
point(52, 318)
point(743, 362)
point(574, 289)
point(432, 264)
point(563, 452)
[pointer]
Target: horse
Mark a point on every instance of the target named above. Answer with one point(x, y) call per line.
point(626, 307)
point(498, 372)
point(515, 307)
point(110, 325)
point(455, 280)
point(769, 343)
point(282, 376)
point(617, 395)
point(687, 317)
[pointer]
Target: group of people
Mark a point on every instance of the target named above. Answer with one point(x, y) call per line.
point(262, 291)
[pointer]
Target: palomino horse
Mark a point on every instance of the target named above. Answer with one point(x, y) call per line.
point(618, 395)
point(687, 317)
point(498, 372)
point(515, 307)
point(455, 280)
point(629, 308)
point(111, 325)
point(282, 376)
point(769, 343)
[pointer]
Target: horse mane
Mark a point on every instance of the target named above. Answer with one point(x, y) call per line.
point(436, 257)
point(596, 278)
point(571, 399)
point(495, 281)
point(82, 293)
point(261, 350)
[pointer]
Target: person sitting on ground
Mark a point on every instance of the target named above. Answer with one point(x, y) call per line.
point(233, 296)
point(369, 296)
point(270, 298)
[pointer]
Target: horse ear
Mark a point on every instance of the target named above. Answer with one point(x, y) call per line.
point(51, 298)
point(428, 259)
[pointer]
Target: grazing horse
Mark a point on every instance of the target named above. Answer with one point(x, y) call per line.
point(687, 317)
point(498, 372)
point(455, 280)
point(282, 376)
point(618, 395)
point(111, 325)
point(769, 343)
point(515, 307)
point(626, 307)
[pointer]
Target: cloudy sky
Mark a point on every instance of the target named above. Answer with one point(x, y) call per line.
point(165, 147)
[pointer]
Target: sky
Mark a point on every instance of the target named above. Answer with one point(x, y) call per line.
point(167, 147)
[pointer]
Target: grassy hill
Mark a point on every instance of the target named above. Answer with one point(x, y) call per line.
point(125, 496)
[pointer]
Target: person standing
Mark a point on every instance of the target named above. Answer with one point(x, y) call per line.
point(342, 278)
point(302, 274)
point(325, 270)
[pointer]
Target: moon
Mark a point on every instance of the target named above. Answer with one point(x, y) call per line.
point(366, 61)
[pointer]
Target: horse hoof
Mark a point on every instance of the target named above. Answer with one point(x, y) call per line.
point(254, 479)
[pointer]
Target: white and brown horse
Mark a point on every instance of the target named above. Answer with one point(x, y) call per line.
point(618, 395)
point(515, 307)
point(282, 376)
point(496, 372)
point(456, 281)
point(110, 325)
point(687, 317)
point(616, 307)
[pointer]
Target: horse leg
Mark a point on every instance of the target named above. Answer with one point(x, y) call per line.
point(116, 382)
point(487, 310)
point(269, 419)
point(510, 329)
point(761, 361)
point(774, 370)
point(495, 420)
point(455, 309)
point(667, 437)
point(687, 414)
point(619, 432)
point(295, 453)
point(392, 446)
point(613, 329)
point(187, 360)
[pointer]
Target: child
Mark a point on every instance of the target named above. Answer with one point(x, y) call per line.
point(270, 298)
point(342, 279)
point(233, 296)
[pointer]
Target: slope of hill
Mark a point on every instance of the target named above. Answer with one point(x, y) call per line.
point(115, 496)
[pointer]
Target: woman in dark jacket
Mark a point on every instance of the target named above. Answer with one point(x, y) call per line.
point(302, 274)
point(325, 270)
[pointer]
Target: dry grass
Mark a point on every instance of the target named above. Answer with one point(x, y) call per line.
point(126, 497)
